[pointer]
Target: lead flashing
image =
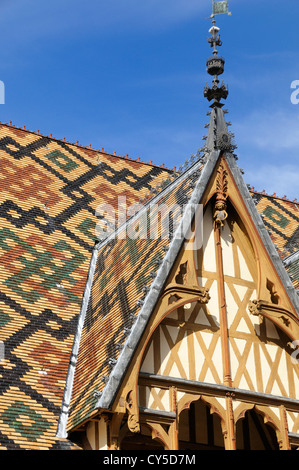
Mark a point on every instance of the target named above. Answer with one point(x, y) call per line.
point(63, 418)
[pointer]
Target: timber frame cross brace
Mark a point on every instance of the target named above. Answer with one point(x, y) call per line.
point(174, 296)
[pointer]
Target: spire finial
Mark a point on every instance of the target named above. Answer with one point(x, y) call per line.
point(215, 67)
point(218, 136)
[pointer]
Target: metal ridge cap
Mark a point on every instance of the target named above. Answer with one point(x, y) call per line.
point(100, 244)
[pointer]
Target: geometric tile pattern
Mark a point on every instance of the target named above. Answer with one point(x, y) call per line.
point(49, 193)
point(281, 218)
point(124, 272)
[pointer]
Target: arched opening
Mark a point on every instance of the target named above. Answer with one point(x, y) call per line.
point(253, 434)
point(141, 441)
point(199, 429)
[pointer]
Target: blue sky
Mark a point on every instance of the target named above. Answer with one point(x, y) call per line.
point(129, 76)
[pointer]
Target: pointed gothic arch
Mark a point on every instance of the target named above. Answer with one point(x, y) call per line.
point(146, 440)
point(257, 429)
point(201, 425)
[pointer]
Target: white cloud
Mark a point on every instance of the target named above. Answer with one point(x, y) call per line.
point(268, 150)
point(282, 180)
point(273, 131)
point(33, 18)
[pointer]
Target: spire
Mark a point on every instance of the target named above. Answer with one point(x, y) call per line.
point(215, 67)
point(218, 137)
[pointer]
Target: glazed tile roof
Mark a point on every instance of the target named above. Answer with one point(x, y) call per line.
point(281, 218)
point(124, 270)
point(50, 190)
point(291, 264)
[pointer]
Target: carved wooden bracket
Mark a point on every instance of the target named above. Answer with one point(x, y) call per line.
point(179, 292)
point(220, 214)
point(114, 424)
point(133, 412)
point(159, 433)
point(283, 318)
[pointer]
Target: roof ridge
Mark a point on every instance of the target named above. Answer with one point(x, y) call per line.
point(154, 195)
point(263, 192)
point(85, 147)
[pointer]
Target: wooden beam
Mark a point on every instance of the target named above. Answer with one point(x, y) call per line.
point(216, 390)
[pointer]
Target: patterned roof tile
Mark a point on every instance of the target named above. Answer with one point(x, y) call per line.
point(50, 192)
point(281, 218)
point(122, 276)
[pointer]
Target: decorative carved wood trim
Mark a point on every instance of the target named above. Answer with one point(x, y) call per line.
point(173, 430)
point(213, 404)
point(230, 436)
point(124, 430)
point(194, 390)
point(114, 428)
point(283, 318)
point(159, 433)
point(133, 411)
point(200, 294)
point(222, 309)
point(221, 183)
point(186, 400)
point(285, 444)
point(220, 214)
point(215, 408)
point(278, 424)
point(268, 415)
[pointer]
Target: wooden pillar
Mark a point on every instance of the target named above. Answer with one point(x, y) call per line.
point(114, 429)
point(174, 431)
point(284, 443)
point(227, 380)
point(230, 438)
point(220, 215)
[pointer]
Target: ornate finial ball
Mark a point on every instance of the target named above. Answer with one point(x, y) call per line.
point(215, 65)
point(214, 30)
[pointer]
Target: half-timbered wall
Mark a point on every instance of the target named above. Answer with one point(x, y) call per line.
point(187, 344)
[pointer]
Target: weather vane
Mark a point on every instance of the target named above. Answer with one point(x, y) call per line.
point(220, 8)
point(215, 64)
